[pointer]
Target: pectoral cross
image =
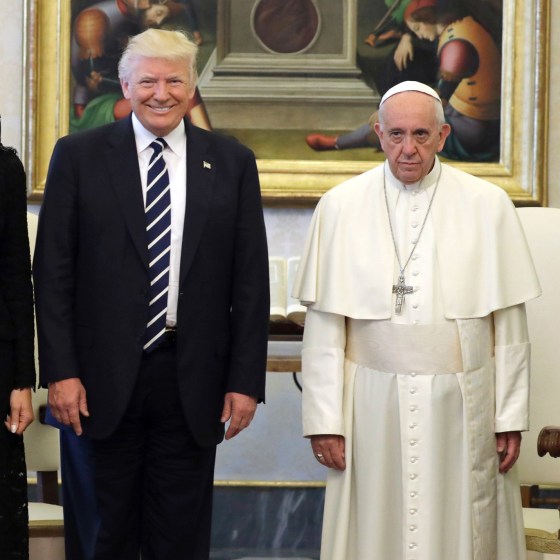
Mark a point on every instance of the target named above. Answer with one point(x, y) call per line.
point(401, 289)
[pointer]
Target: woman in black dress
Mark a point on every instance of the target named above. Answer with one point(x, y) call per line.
point(17, 367)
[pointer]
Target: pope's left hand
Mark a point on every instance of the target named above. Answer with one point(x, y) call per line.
point(239, 409)
point(508, 445)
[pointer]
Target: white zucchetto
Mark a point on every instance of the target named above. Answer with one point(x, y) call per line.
point(409, 86)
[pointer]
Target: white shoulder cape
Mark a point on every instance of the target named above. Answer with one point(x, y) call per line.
point(348, 261)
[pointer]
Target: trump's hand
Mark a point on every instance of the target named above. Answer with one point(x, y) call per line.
point(239, 409)
point(67, 399)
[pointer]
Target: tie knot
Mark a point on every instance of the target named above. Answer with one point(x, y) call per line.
point(158, 145)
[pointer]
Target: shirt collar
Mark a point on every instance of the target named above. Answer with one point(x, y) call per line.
point(176, 139)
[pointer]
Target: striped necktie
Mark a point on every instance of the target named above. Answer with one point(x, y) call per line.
point(158, 229)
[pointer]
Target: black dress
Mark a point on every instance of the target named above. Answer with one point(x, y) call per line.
point(17, 368)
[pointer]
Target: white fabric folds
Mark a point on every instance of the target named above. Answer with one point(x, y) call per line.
point(348, 261)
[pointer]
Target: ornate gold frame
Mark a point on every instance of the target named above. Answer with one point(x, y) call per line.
point(521, 170)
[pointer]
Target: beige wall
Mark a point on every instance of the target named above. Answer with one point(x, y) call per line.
point(11, 74)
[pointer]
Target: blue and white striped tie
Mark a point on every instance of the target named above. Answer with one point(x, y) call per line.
point(158, 228)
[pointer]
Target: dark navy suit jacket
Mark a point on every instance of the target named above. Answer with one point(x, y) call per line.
point(91, 276)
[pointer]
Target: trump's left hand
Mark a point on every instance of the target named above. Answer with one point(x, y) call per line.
point(239, 409)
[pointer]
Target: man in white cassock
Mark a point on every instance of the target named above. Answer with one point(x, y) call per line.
point(416, 351)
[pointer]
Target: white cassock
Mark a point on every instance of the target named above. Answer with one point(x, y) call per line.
point(418, 395)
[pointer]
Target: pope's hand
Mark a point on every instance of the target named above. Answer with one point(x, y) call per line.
point(329, 450)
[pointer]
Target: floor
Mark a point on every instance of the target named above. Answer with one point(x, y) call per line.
point(262, 523)
point(269, 523)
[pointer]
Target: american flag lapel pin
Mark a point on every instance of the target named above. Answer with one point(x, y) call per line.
point(206, 165)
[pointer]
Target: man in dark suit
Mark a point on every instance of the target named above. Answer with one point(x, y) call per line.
point(151, 277)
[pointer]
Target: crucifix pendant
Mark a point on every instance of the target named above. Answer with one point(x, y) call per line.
point(401, 289)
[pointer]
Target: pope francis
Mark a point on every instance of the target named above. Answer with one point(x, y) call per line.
point(416, 351)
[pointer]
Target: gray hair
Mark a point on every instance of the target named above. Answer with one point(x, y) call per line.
point(438, 110)
point(159, 43)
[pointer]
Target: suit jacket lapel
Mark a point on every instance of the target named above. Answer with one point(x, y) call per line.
point(201, 169)
point(122, 161)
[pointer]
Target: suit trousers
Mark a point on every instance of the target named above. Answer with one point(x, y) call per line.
point(81, 521)
point(153, 482)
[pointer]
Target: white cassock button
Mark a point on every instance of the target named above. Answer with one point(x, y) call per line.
point(413, 494)
point(412, 425)
point(413, 442)
point(412, 546)
point(414, 225)
point(413, 476)
point(413, 408)
point(413, 511)
point(414, 460)
point(414, 306)
point(415, 256)
point(415, 208)
point(413, 374)
point(413, 390)
point(412, 528)
point(414, 240)
point(415, 273)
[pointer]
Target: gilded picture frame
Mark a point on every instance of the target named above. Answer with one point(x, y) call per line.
point(524, 111)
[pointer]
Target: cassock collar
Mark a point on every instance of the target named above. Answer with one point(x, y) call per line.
point(428, 181)
point(348, 261)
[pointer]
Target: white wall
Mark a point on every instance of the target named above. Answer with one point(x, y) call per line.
point(11, 72)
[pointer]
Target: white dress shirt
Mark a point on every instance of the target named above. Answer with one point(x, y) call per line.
point(175, 155)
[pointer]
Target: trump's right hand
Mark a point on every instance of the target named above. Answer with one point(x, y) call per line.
point(67, 399)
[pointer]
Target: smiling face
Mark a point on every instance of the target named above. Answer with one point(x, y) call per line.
point(410, 134)
point(159, 91)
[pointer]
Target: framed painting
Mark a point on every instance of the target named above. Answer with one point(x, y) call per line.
point(294, 79)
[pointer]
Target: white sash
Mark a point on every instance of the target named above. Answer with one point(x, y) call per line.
point(404, 349)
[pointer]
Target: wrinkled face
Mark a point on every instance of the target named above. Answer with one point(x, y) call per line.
point(159, 91)
point(155, 15)
point(410, 135)
point(428, 31)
